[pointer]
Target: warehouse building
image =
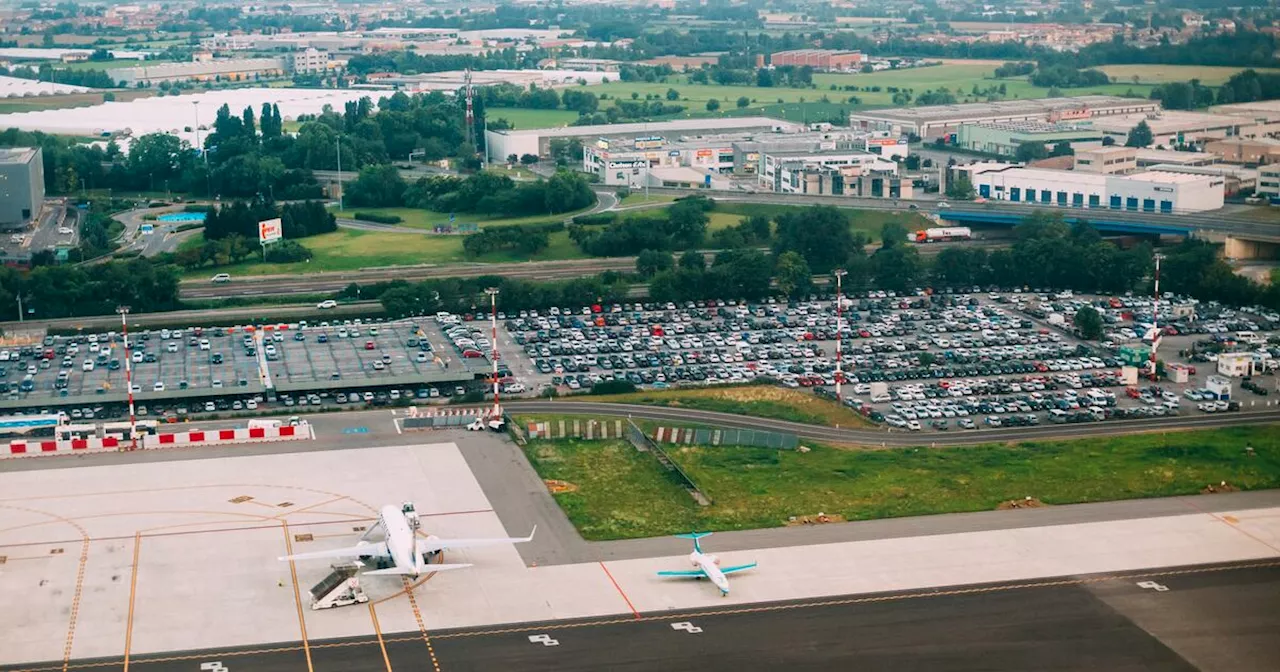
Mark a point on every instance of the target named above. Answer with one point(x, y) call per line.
point(537, 141)
point(937, 121)
point(307, 61)
point(1269, 182)
point(1003, 138)
point(1248, 151)
point(1235, 179)
point(21, 186)
point(854, 174)
point(1170, 128)
point(233, 70)
point(827, 60)
point(1164, 192)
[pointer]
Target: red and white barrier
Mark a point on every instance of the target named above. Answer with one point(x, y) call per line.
point(214, 437)
point(211, 437)
point(25, 447)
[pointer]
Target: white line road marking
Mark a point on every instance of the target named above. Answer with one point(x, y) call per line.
point(1153, 585)
point(687, 627)
point(396, 422)
point(544, 640)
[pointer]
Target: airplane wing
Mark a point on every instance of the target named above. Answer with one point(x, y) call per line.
point(427, 569)
point(737, 568)
point(693, 573)
point(378, 549)
point(432, 545)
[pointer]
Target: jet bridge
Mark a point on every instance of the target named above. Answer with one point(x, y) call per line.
point(339, 589)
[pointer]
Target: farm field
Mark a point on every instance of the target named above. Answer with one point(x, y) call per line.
point(1157, 74)
point(621, 493)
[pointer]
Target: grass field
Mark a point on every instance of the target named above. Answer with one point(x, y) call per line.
point(428, 219)
point(760, 401)
point(638, 198)
point(522, 118)
point(1158, 74)
point(625, 494)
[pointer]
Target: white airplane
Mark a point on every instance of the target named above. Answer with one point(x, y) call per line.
point(408, 554)
point(708, 566)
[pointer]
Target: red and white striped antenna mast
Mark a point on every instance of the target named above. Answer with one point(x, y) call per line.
point(493, 344)
point(128, 377)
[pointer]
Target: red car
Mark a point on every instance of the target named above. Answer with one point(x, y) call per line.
point(472, 354)
point(368, 345)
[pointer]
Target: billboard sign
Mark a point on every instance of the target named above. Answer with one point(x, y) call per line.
point(269, 231)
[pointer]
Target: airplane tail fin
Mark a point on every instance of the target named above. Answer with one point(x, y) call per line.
point(695, 536)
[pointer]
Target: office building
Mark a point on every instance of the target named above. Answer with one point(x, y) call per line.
point(1113, 160)
point(1269, 181)
point(21, 186)
point(854, 174)
point(307, 61)
point(1164, 192)
point(537, 141)
point(935, 121)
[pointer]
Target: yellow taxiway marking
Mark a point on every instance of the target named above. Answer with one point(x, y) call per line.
point(377, 630)
point(133, 592)
point(297, 595)
point(422, 628)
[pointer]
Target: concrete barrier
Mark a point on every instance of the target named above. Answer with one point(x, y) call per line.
point(27, 447)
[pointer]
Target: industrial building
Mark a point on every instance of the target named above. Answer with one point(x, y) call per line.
point(537, 141)
point(1235, 179)
point(856, 174)
point(1247, 151)
point(1164, 192)
point(1170, 128)
point(936, 121)
point(1003, 138)
point(1149, 157)
point(21, 186)
point(1113, 160)
point(1269, 181)
point(233, 70)
point(307, 61)
point(828, 60)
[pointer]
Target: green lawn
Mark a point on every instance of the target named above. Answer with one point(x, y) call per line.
point(349, 250)
point(760, 401)
point(867, 221)
point(427, 219)
point(625, 494)
point(522, 118)
point(638, 198)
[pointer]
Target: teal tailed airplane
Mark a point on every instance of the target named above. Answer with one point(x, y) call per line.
point(708, 566)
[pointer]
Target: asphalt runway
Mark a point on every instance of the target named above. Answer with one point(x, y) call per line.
point(1209, 618)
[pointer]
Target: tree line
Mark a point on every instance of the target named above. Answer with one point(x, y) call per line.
point(683, 225)
point(483, 193)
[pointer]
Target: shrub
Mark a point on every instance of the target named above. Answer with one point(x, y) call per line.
point(613, 387)
point(377, 218)
point(287, 252)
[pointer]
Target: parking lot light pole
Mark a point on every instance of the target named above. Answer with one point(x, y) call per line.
point(128, 376)
point(493, 353)
point(1155, 318)
point(839, 273)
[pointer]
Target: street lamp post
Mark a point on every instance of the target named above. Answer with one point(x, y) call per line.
point(839, 273)
point(128, 377)
point(493, 353)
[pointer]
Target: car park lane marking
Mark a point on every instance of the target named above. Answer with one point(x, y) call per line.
point(297, 594)
point(620, 591)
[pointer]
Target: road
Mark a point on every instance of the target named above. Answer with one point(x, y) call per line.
point(887, 437)
point(1211, 618)
point(186, 318)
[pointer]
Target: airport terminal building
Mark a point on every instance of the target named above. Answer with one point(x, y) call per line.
point(21, 186)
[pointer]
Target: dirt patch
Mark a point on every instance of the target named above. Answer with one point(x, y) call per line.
point(1220, 487)
point(816, 519)
point(558, 487)
point(1024, 503)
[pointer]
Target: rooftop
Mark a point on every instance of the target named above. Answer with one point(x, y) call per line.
point(1031, 127)
point(17, 154)
point(996, 108)
point(1169, 121)
point(1165, 176)
point(714, 125)
point(1113, 149)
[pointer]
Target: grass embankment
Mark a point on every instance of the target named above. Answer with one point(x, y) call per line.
point(638, 198)
point(760, 401)
point(415, 218)
point(621, 493)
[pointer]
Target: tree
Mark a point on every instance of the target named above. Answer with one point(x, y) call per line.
point(892, 234)
point(672, 94)
point(960, 188)
point(652, 262)
point(1140, 136)
point(819, 234)
point(1108, 141)
point(713, 105)
point(378, 187)
point(792, 274)
point(1089, 323)
point(1062, 149)
point(1030, 151)
point(693, 260)
point(743, 102)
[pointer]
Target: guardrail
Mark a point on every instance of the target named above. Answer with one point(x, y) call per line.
point(642, 443)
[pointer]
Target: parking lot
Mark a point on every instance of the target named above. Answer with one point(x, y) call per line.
point(229, 368)
point(946, 361)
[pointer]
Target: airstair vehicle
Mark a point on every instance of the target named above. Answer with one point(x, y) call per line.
point(339, 589)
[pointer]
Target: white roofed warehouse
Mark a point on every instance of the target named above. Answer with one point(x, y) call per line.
point(1153, 191)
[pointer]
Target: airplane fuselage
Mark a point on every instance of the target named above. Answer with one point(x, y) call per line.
point(399, 538)
point(709, 566)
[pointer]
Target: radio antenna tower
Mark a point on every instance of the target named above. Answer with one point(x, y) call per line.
point(471, 116)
